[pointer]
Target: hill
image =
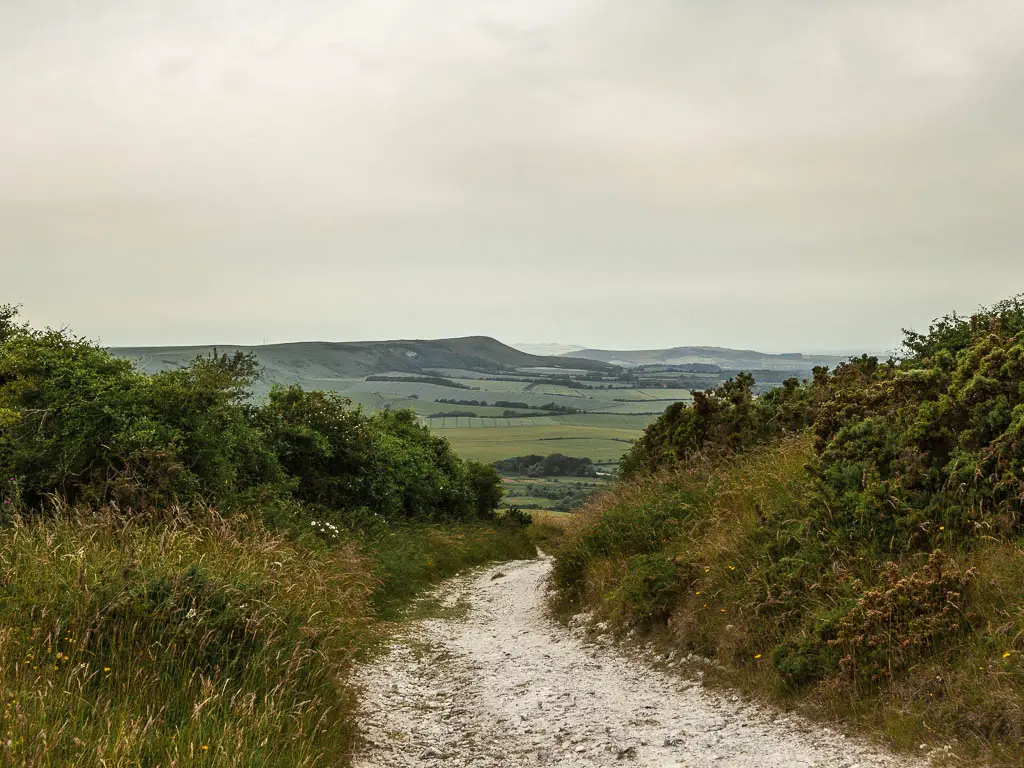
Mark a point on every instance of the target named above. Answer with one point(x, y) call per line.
point(319, 361)
point(735, 359)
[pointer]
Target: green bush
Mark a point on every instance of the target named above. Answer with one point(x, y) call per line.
point(79, 425)
point(854, 543)
point(802, 662)
point(650, 588)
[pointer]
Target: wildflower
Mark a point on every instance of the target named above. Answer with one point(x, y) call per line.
point(696, 593)
point(1006, 655)
point(942, 527)
point(204, 747)
point(106, 669)
point(757, 655)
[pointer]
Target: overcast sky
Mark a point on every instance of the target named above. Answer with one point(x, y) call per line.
point(780, 174)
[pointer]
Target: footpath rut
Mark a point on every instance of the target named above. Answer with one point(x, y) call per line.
point(499, 685)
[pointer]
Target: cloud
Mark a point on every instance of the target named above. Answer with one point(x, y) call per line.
point(784, 175)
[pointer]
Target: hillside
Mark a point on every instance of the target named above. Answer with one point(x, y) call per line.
point(739, 359)
point(852, 545)
point(323, 361)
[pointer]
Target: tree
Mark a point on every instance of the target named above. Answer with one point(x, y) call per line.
point(488, 487)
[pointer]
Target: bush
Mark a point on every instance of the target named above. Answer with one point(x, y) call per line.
point(516, 517)
point(854, 543)
point(650, 588)
point(487, 487)
point(78, 424)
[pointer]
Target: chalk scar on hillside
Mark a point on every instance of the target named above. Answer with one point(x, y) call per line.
point(496, 684)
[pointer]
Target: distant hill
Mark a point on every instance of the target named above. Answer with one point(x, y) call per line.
point(547, 348)
point(320, 361)
point(728, 359)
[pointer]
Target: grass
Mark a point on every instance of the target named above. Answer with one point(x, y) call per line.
point(721, 559)
point(408, 560)
point(201, 640)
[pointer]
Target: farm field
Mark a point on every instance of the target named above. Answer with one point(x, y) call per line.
point(603, 445)
point(607, 422)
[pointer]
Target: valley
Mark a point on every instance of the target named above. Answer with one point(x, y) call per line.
point(493, 401)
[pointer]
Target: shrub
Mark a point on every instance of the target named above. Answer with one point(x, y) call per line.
point(650, 588)
point(901, 619)
point(516, 517)
point(487, 487)
point(78, 424)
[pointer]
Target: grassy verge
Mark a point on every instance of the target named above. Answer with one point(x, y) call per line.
point(725, 560)
point(408, 560)
point(200, 640)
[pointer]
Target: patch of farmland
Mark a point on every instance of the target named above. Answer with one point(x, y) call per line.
point(602, 444)
point(428, 408)
point(546, 371)
point(495, 385)
point(460, 373)
point(656, 394)
point(635, 407)
point(561, 391)
point(607, 420)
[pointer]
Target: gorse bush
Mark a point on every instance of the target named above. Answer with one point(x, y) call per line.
point(727, 418)
point(908, 449)
point(78, 424)
point(853, 543)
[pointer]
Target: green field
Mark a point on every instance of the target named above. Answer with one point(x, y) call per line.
point(490, 444)
point(607, 422)
point(545, 492)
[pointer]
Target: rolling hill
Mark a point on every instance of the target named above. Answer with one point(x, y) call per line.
point(727, 359)
point(320, 360)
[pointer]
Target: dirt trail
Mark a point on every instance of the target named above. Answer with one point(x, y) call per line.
point(498, 684)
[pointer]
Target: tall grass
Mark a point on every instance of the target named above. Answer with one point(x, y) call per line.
point(199, 640)
point(412, 558)
point(726, 559)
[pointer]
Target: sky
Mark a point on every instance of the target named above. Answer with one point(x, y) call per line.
point(782, 175)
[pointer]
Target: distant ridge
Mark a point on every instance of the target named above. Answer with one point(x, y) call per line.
point(324, 360)
point(723, 357)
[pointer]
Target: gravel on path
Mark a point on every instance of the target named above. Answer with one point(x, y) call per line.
point(500, 685)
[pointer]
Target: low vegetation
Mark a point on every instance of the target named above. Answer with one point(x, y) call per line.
point(437, 381)
point(852, 544)
point(552, 465)
point(187, 577)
